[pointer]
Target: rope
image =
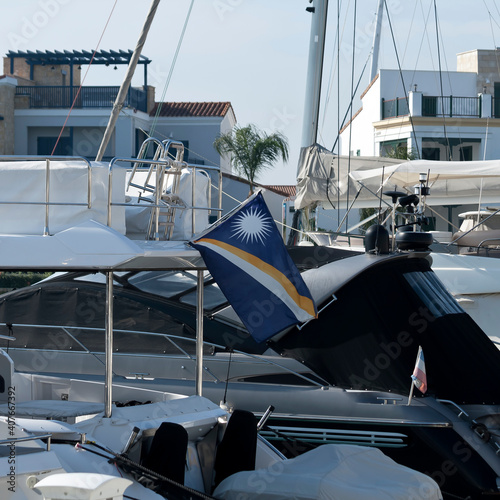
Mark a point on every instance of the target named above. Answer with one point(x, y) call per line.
point(83, 80)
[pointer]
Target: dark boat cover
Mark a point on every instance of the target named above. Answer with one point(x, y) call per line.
point(369, 337)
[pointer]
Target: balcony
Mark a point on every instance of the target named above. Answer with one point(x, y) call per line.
point(89, 97)
point(450, 106)
point(438, 106)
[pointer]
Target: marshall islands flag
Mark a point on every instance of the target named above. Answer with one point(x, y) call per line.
point(419, 375)
point(246, 256)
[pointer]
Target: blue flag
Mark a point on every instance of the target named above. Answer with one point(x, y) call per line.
point(246, 256)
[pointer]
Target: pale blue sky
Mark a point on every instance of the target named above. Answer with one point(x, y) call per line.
point(251, 52)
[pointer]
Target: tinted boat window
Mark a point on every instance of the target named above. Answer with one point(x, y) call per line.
point(212, 297)
point(165, 284)
point(172, 283)
point(433, 294)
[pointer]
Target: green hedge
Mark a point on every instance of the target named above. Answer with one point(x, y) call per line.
point(20, 279)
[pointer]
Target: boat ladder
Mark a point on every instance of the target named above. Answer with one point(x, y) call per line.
point(161, 183)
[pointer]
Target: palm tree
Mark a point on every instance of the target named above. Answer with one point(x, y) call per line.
point(251, 151)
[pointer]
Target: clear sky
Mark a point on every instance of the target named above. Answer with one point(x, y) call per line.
point(253, 52)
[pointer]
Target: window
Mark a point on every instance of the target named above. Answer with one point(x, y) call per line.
point(45, 146)
point(466, 153)
point(433, 293)
point(431, 154)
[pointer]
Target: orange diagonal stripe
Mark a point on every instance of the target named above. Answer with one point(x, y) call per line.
point(304, 303)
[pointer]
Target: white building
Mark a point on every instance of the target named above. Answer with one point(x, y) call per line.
point(38, 89)
point(452, 116)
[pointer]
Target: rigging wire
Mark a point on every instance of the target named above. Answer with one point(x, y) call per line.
point(493, 34)
point(498, 67)
point(426, 33)
point(349, 107)
point(83, 79)
point(338, 113)
point(172, 66)
point(448, 73)
point(395, 92)
point(402, 79)
point(352, 97)
point(441, 82)
point(335, 63)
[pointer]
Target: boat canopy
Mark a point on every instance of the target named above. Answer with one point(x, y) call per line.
point(368, 338)
point(326, 179)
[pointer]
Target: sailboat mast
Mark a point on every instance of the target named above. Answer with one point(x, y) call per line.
point(122, 94)
point(319, 12)
point(376, 40)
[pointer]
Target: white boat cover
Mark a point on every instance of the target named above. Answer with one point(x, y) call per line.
point(451, 182)
point(324, 178)
point(23, 183)
point(333, 472)
point(54, 409)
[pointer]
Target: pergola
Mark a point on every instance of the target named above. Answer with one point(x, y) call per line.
point(76, 57)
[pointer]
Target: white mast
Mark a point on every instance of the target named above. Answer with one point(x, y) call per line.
point(120, 98)
point(376, 40)
point(314, 72)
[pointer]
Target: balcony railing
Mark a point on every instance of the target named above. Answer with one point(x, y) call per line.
point(395, 107)
point(89, 97)
point(451, 106)
point(447, 106)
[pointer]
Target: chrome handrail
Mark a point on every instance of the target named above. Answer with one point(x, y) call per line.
point(452, 403)
point(159, 161)
point(15, 440)
point(170, 338)
point(47, 203)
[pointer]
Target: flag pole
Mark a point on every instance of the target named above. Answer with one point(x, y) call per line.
point(411, 392)
point(412, 376)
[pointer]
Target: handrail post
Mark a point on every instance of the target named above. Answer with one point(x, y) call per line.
point(108, 381)
point(220, 193)
point(47, 195)
point(110, 191)
point(193, 204)
point(199, 333)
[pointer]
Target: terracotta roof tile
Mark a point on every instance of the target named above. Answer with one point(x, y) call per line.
point(289, 191)
point(182, 109)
